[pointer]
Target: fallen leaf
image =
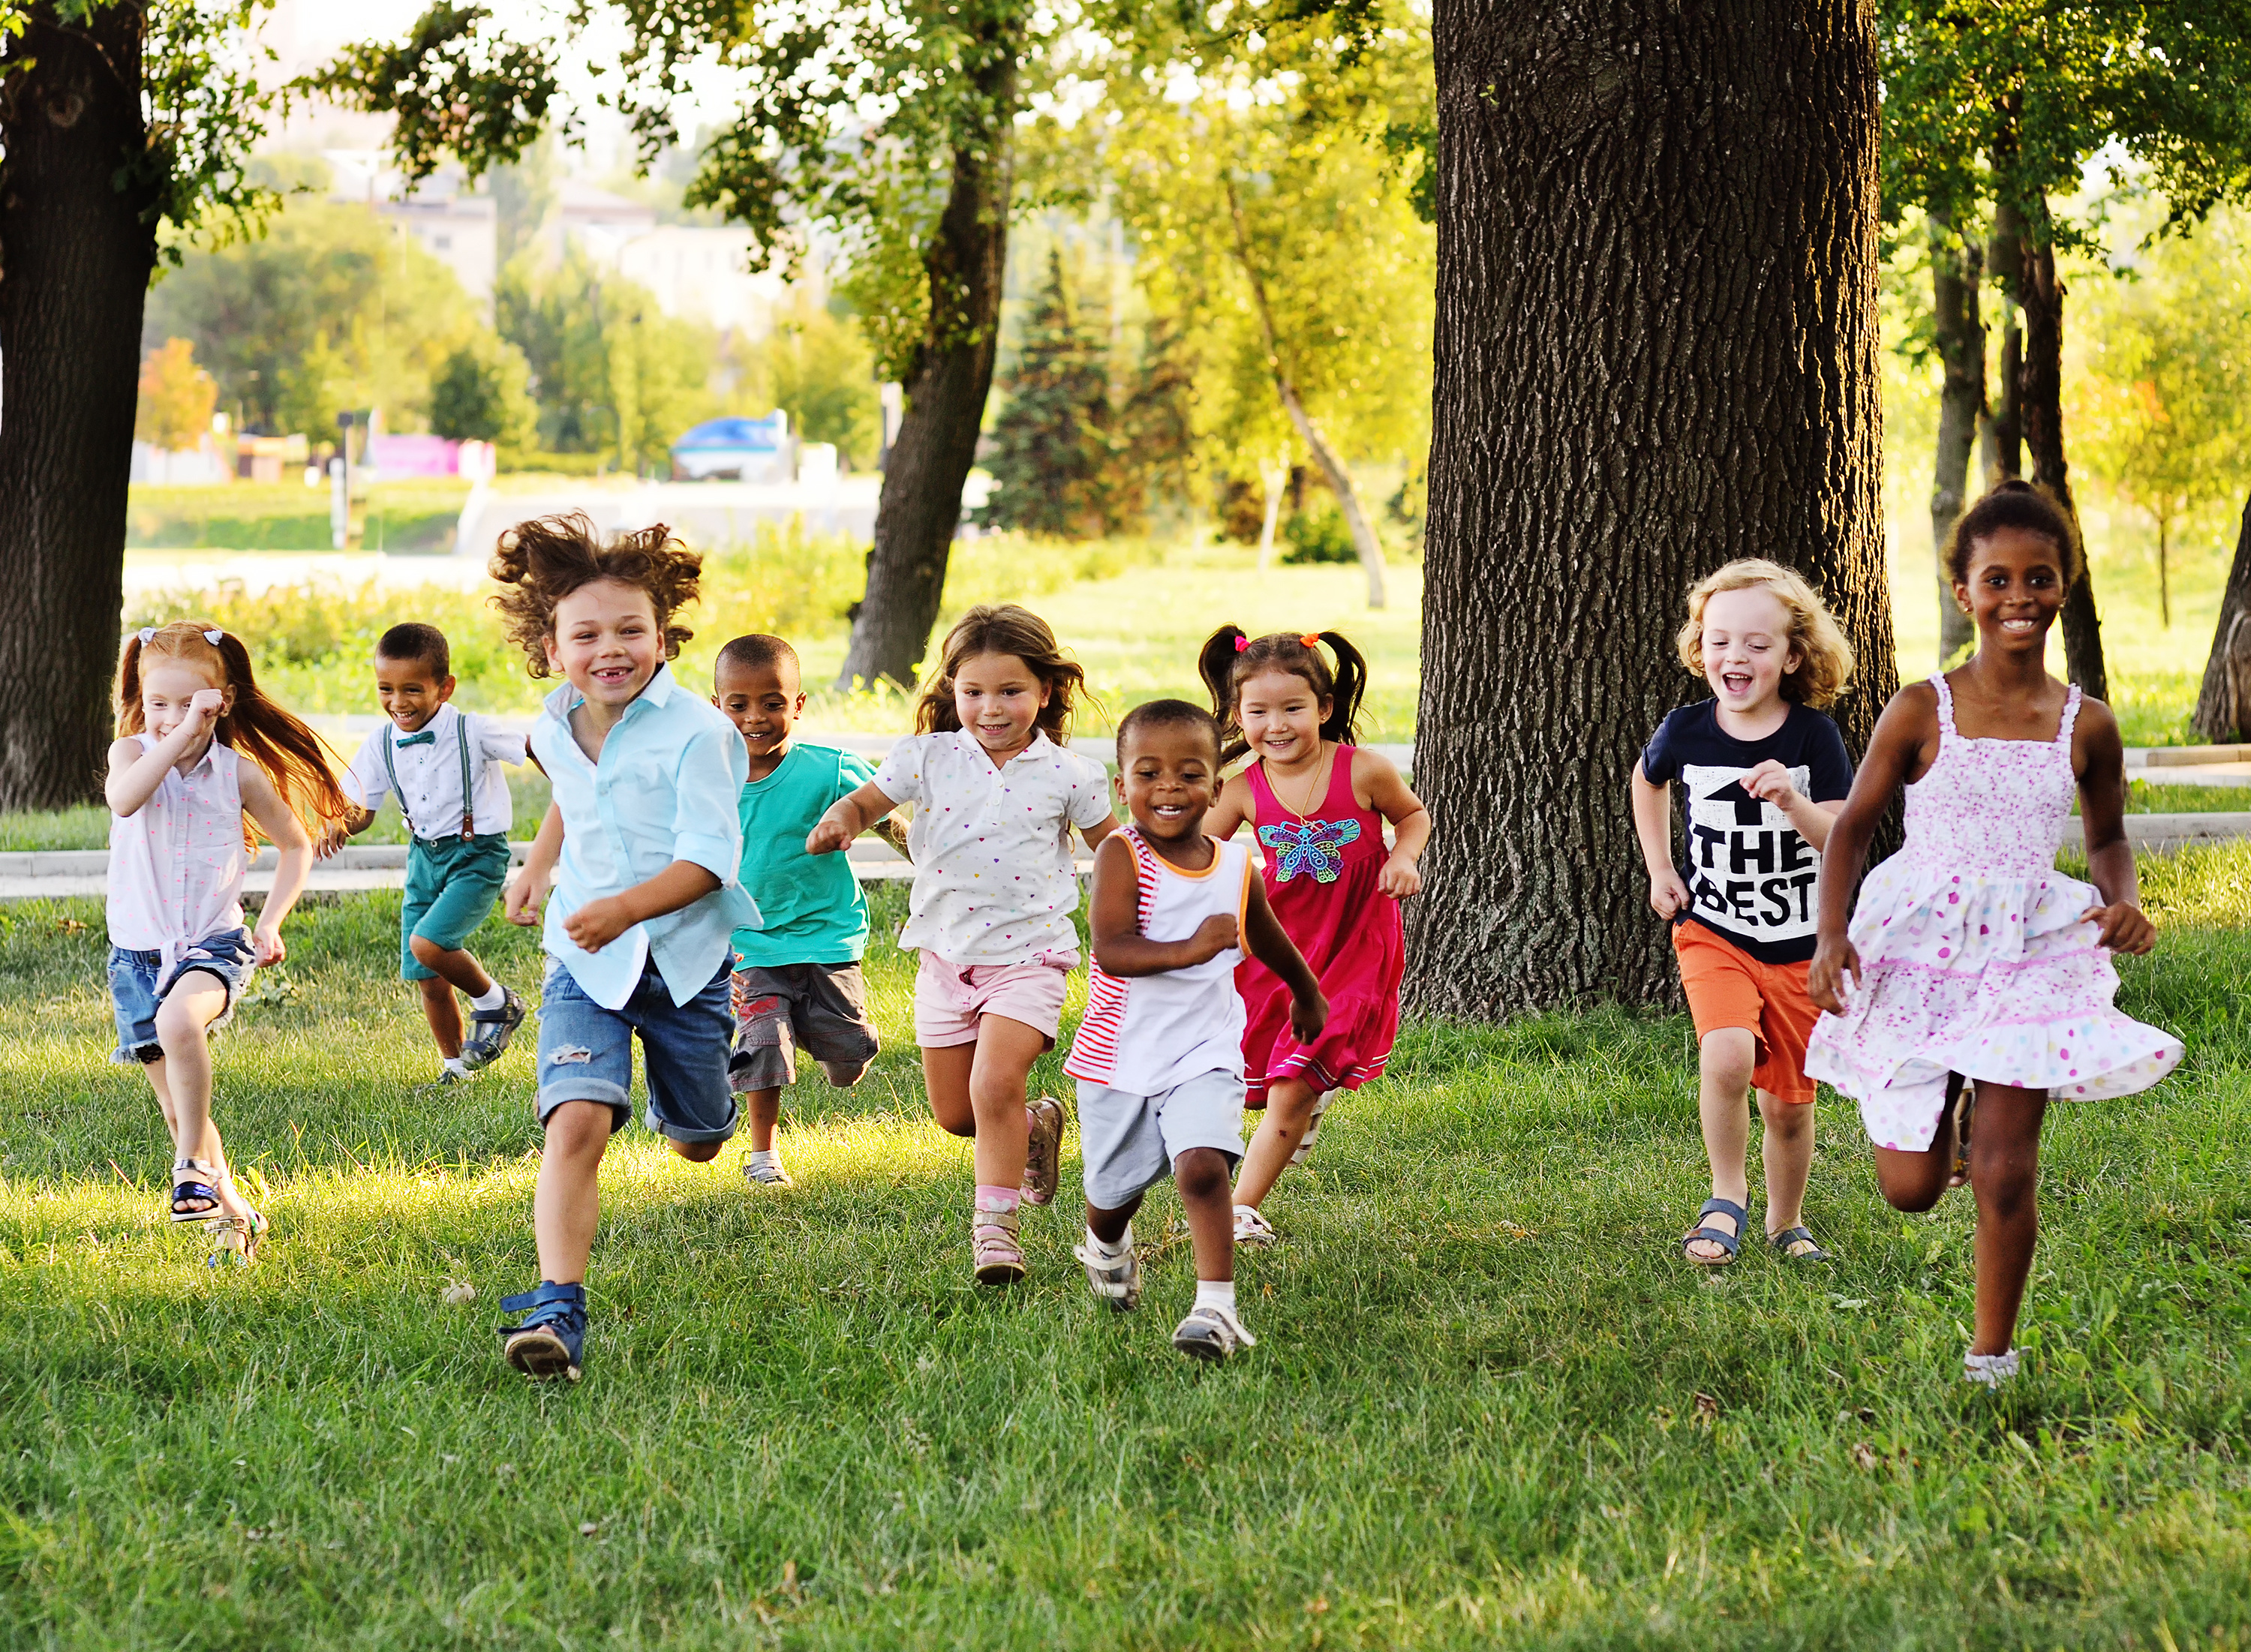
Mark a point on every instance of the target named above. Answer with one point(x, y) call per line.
point(789, 1578)
point(1318, 1605)
point(69, 926)
point(458, 1293)
point(1861, 1455)
point(1706, 1407)
point(590, 1528)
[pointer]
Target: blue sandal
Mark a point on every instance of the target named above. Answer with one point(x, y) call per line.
point(548, 1339)
point(204, 1194)
point(1728, 1242)
point(1788, 1236)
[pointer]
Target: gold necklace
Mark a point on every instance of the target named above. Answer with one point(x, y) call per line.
point(1314, 793)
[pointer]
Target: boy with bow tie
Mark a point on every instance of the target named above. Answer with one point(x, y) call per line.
point(443, 763)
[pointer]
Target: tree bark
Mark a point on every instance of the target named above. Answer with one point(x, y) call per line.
point(2004, 454)
point(1339, 479)
point(77, 245)
point(2041, 398)
point(1956, 274)
point(1655, 353)
point(2223, 707)
point(947, 385)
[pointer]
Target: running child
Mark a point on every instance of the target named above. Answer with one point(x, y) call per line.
point(1319, 804)
point(1969, 956)
point(797, 981)
point(201, 757)
point(1763, 772)
point(444, 765)
point(1159, 1058)
point(996, 794)
point(641, 845)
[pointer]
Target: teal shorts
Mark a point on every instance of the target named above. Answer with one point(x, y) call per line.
point(451, 886)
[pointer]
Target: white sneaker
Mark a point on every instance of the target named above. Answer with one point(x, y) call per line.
point(1116, 1278)
point(1211, 1332)
point(1991, 1370)
point(1313, 1126)
point(1254, 1230)
point(765, 1173)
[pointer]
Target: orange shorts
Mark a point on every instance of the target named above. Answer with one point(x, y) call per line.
point(1729, 987)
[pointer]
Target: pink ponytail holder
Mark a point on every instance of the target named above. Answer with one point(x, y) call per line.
point(1242, 643)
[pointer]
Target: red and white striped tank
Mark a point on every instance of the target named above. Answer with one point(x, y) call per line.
point(1145, 1033)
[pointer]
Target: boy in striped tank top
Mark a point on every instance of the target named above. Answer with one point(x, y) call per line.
point(1158, 1057)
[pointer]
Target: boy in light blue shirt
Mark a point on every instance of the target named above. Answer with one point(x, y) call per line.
point(642, 846)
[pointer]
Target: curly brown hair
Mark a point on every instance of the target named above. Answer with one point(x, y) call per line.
point(1003, 628)
point(1825, 657)
point(541, 561)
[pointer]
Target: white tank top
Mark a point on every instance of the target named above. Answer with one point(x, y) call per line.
point(175, 864)
point(1145, 1033)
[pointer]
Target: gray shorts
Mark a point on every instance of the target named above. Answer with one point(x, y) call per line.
point(1127, 1143)
point(820, 1008)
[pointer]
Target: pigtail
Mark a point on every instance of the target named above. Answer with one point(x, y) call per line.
point(1215, 665)
point(1350, 687)
point(125, 693)
point(295, 758)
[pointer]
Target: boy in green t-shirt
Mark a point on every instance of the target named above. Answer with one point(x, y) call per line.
point(797, 981)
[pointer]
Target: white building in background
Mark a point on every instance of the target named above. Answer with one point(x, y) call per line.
point(697, 271)
point(458, 228)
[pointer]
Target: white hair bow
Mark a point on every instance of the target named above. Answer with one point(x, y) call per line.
point(149, 635)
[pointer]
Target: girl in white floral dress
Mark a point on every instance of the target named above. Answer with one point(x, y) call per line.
point(1970, 966)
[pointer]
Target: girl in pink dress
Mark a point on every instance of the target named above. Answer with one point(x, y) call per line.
point(1972, 968)
point(1317, 805)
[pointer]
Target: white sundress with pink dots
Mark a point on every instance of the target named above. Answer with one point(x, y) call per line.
point(1974, 959)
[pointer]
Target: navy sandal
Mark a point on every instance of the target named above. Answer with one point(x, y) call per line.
point(548, 1339)
point(203, 1193)
point(1788, 1236)
point(1728, 1242)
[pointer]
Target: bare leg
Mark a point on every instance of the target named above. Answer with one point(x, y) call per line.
point(2005, 1174)
point(567, 1206)
point(1109, 1225)
point(762, 1110)
point(1289, 1110)
point(182, 1079)
point(443, 1011)
point(1724, 1060)
point(457, 970)
point(1787, 1155)
point(978, 1090)
point(1200, 1175)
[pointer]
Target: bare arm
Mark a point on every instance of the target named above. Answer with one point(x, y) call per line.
point(135, 774)
point(1771, 783)
point(1894, 752)
point(1233, 808)
point(527, 890)
point(2122, 925)
point(846, 818)
point(1652, 825)
point(594, 925)
point(1266, 939)
point(1101, 829)
point(1377, 778)
point(294, 850)
point(1113, 921)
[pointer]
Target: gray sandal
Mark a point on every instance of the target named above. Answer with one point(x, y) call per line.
point(1788, 1236)
point(1728, 1242)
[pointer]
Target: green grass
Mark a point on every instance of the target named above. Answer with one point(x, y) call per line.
point(88, 827)
point(1490, 1405)
point(409, 516)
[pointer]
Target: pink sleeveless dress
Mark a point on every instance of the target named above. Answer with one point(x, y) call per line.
point(1320, 879)
point(1973, 957)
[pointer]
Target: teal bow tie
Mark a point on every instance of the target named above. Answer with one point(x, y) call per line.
point(427, 737)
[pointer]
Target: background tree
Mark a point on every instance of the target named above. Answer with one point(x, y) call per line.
point(122, 123)
point(174, 410)
point(1655, 351)
point(483, 393)
point(1054, 449)
point(817, 367)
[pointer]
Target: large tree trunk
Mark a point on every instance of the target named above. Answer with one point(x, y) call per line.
point(1655, 352)
point(76, 250)
point(1956, 271)
point(2223, 707)
point(946, 390)
point(2042, 400)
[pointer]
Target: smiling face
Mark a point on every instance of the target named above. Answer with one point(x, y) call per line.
point(168, 683)
point(410, 691)
point(605, 642)
point(1746, 650)
point(1168, 778)
point(1281, 716)
point(763, 702)
point(998, 698)
point(2015, 589)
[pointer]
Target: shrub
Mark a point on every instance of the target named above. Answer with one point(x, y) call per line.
point(1318, 535)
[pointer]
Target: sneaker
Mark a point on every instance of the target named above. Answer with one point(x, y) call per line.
point(998, 1259)
point(765, 1173)
point(1254, 1230)
point(448, 1077)
point(1043, 1151)
point(1989, 1370)
point(1116, 1278)
point(1211, 1332)
point(490, 1030)
point(1312, 1127)
point(548, 1339)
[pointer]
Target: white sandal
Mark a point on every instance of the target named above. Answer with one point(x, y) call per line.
point(1211, 1332)
point(1254, 1230)
point(1989, 1370)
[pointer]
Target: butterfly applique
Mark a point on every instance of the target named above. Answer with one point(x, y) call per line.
point(1310, 845)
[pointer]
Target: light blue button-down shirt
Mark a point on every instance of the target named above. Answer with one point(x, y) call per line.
point(666, 790)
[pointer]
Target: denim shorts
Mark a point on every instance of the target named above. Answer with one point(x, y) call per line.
point(586, 1054)
point(138, 983)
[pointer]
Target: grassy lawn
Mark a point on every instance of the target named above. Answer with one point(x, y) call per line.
point(416, 515)
point(1490, 1405)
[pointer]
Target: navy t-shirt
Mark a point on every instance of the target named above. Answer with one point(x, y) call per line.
point(1751, 875)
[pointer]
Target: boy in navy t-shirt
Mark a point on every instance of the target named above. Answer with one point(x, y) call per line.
point(1764, 773)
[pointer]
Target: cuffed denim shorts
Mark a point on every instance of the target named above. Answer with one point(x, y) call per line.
point(586, 1054)
point(138, 983)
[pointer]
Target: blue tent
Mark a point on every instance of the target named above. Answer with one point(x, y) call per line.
point(752, 450)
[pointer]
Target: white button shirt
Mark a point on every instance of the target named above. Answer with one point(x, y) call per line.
point(994, 881)
point(430, 774)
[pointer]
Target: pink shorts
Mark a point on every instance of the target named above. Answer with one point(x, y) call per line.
point(950, 998)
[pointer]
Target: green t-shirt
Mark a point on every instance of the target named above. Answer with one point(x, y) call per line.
point(812, 904)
